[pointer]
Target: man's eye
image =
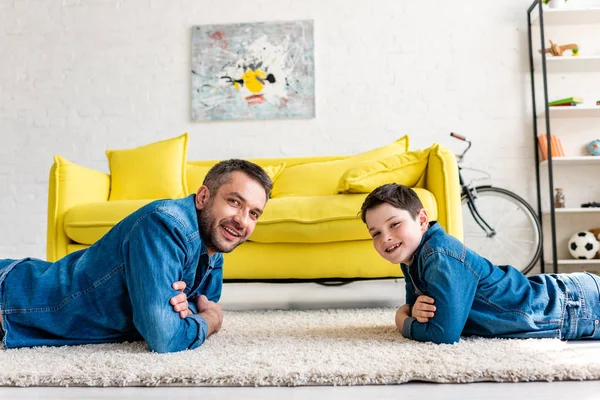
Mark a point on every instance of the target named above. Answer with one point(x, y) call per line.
point(254, 214)
point(234, 202)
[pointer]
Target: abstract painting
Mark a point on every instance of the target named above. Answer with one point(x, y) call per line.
point(253, 70)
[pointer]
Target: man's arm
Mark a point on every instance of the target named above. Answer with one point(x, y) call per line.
point(154, 253)
point(452, 285)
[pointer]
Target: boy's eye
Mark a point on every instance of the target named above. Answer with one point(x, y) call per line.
point(395, 224)
point(375, 234)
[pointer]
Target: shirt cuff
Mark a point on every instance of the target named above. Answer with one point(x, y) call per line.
point(406, 327)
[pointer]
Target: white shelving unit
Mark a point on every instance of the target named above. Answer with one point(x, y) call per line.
point(587, 160)
point(573, 171)
point(572, 112)
point(568, 16)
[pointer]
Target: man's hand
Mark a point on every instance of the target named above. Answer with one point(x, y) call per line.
point(211, 312)
point(179, 302)
point(401, 314)
point(423, 309)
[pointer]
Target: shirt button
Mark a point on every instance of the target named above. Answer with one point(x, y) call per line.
point(597, 322)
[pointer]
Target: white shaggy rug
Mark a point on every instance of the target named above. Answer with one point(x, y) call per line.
point(291, 348)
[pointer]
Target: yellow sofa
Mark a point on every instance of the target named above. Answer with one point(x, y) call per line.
point(306, 232)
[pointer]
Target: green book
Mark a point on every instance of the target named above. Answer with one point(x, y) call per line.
point(575, 100)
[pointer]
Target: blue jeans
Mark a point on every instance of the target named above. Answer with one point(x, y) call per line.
point(582, 306)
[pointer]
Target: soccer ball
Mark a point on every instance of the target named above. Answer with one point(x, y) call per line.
point(583, 245)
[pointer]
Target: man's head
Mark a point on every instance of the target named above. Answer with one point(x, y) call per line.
point(230, 201)
point(396, 221)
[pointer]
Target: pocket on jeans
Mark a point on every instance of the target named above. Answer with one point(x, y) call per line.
point(589, 328)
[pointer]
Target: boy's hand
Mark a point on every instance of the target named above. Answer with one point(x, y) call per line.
point(179, 302)
point(401, 314)
point(423, 309)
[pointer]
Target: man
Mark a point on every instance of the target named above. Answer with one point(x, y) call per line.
point(119, 289)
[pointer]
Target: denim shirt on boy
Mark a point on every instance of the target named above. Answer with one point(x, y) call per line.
point(119, 288)
point(474, 297)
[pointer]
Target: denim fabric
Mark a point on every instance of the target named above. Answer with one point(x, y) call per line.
point(118, 289)
point(475, 297)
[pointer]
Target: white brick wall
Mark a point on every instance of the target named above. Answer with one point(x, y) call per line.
point(80, 76)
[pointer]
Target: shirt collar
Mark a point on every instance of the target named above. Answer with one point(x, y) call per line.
point(433, 228)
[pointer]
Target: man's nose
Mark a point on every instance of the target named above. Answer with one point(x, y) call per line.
point(242, 218)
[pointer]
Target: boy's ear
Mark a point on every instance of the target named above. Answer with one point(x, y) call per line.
point(423, 219)
point(202, 197)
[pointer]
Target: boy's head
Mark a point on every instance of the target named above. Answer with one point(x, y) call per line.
point(396, 221)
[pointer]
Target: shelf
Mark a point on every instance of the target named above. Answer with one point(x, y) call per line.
point(583, 160)
point(574, 262)
point(572, 112)
point(567, 16)
point(573, 210)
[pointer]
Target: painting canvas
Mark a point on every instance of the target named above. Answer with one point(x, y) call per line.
point(253, 70)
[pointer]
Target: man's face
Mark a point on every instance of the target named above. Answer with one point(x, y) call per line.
point(228, 217)
point(396, 235)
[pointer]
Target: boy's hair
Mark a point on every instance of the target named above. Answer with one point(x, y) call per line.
point(220, 174)
point(399, 196)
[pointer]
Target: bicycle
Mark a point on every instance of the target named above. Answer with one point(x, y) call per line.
point(498, 224)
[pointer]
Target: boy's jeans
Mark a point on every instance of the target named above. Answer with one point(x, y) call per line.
point(582, 306)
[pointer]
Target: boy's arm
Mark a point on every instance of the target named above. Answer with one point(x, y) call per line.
point(453, 285)
point(411, 296)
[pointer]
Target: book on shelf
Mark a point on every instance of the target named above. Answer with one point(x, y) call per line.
point(576, 100)
point(564, 104)
point(555, 146)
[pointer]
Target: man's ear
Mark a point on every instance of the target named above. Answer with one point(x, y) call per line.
point(202, 197)
point(423, 219)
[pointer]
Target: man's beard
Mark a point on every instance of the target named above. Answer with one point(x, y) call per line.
point(209, 232)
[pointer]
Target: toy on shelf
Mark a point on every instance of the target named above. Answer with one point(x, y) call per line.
point(593, 148)
point(558, 50)
point(569, 101)
point(591, 204)
point(583, 245)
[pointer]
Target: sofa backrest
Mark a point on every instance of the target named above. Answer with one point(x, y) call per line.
point(197, 170)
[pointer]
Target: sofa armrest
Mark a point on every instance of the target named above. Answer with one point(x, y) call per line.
point(70, 185)
point(442, 180)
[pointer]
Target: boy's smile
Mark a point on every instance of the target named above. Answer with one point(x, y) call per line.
point(396, 235)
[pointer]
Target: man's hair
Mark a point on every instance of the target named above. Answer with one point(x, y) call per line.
point(220, 174)
point(399, 196)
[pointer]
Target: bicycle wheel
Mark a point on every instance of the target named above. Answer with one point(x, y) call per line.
point(517, 236)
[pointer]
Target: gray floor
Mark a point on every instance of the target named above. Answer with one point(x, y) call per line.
point(388, 293)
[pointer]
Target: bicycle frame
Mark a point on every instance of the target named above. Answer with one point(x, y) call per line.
point(470, 191)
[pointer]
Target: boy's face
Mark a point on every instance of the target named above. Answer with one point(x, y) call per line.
point(396, 235)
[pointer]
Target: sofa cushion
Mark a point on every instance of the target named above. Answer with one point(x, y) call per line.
point(321, 178)
point(195, 174)
point(153, 171)
point(404, 169)
point(285, 220)
point(88, 222)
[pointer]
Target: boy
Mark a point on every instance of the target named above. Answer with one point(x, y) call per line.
point(453, 291)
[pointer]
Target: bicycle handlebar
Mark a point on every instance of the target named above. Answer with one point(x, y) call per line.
point(460, 137)
point(464, 139)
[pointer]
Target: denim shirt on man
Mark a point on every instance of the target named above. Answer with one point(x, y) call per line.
point(119, 288)
point(474, 297)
